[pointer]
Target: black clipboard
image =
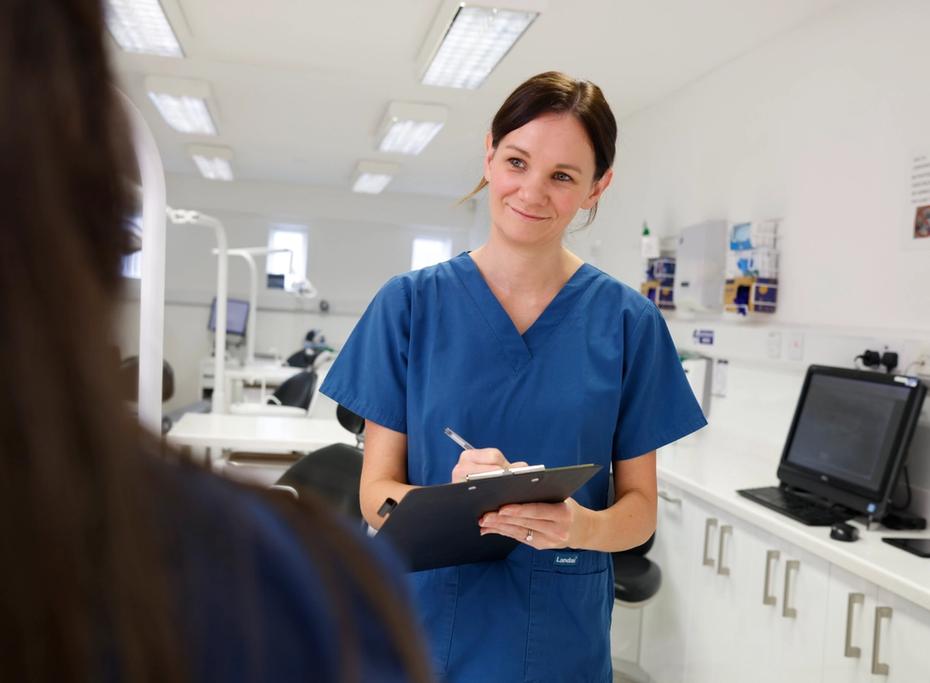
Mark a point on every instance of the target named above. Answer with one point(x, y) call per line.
point(437, 526)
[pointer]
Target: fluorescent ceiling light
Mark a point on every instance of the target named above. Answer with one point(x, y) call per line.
point(407, 128)
point(183, 104)
point(466, 42)
point(371, 177)
point(141, 26)
point(212, 162)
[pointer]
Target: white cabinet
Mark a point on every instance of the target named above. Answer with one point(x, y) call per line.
point(795, 634)
point(757, 608)
point(848, 637)
point(741, 604)
point(873, 635)
point(716, 558)
point(903, 641)
point(665, 619)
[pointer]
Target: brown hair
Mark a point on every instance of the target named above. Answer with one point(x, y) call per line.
point(86, 586)
point(554, 92)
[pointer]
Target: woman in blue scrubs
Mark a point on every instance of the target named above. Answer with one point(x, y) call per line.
point(533, 356)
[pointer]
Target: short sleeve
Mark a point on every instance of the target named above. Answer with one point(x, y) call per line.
point(657, 405)
point(369, 376)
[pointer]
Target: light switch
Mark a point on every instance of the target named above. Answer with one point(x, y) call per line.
point(773, 345)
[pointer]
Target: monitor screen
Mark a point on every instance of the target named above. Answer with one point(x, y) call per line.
point(237, 316)
point(850, 434)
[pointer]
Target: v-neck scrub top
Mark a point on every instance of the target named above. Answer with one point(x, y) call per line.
point(596, 378)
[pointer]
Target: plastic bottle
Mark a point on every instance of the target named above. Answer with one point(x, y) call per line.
point(649, 247)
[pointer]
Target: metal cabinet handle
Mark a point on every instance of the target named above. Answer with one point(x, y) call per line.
point(708, 525)
point(854, 599)
point(878, 667)
point(769, 556)
point(668, 498)
point(790, 566)
point(725, 530)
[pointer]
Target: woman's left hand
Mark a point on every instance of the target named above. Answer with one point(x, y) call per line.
point(544, 526)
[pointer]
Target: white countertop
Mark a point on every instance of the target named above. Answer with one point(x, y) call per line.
point(712, 464)
point(257, 432)
point(270, 373)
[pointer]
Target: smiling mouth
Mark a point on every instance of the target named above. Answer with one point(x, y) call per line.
point(527, 216)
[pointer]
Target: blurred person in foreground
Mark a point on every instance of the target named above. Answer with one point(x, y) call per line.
point(116, 563)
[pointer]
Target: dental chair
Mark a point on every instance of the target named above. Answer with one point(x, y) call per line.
point(332, 473)
point(291, 399)
point(129, 386)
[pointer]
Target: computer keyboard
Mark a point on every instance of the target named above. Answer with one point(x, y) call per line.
point(796, 506)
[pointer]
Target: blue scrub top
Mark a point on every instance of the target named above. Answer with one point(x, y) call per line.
point(596, 378)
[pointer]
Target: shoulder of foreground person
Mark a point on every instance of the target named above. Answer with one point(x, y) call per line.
point(260, 601)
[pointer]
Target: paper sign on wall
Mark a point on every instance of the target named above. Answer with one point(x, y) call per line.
point(919, 210)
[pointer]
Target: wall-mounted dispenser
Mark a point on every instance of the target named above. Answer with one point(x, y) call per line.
point(700, 267)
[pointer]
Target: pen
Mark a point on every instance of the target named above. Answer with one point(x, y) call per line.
point(459, 440)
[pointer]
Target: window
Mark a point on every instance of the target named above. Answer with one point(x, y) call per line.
point(132, 265)
point(292, 263)
point(428, 251)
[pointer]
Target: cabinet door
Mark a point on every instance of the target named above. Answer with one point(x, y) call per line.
point(665, 619)
point(851, 604)
point(773, 606)
point(713, 619)
point(802, 618)
point(753, 574)
point(900, 641)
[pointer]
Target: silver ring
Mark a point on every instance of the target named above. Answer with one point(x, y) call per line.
point(529, 535)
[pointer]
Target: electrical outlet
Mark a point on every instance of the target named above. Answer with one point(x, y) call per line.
point(915, 359)
point(795, 344)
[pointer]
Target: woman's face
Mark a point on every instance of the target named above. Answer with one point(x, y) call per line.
point(539, 176)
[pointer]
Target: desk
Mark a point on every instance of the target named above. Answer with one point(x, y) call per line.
point(713, 463)
point(263, 374)
point(270, 374)
point(267, 374)
point(751, 595)
point(257, 433)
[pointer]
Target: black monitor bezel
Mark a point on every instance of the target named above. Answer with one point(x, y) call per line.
point(858, 498)
point(211, 321)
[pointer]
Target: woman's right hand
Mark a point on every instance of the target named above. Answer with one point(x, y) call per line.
point(480, 460)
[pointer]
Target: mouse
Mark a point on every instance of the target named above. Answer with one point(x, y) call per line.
point(841, 531)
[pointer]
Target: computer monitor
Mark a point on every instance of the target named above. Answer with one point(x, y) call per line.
point(237, 316)
point(850, 434)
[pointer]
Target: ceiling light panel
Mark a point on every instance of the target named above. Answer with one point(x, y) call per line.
point(371, 177)
point(141, 26)
point(407, 128)
point(473, 44)
point(212, 162)
point(371, 183)
point(183, 104)
point(184, 114)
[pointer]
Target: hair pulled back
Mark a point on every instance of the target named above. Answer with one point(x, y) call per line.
point(554, 92)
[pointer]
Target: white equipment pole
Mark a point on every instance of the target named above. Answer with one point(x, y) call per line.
point(152, 285)
point(219, 348)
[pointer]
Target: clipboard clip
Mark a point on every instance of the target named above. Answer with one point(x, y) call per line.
point(387, 507)
point(493, 474)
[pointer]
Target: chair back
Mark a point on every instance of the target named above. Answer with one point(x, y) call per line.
point(296, 391)
point(333, 473)
point(352, 422)
point(129, 379)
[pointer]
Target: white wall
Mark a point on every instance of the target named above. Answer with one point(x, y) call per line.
point(356, 244)
point(816, 128)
